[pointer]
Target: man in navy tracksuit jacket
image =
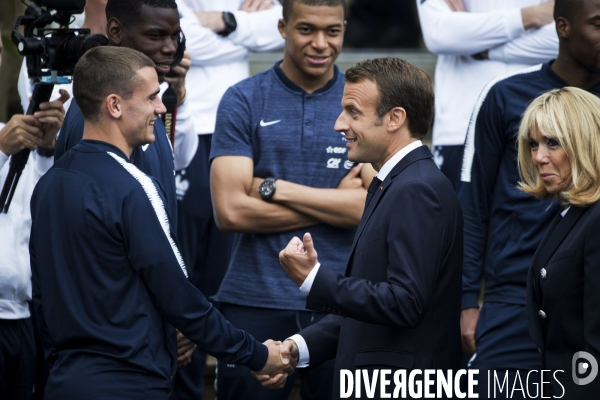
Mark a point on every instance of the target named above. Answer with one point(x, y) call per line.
point(109, 280)
point(503, 226)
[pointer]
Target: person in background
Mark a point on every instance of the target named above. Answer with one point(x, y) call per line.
point(17, 344)
point(219, 36)
point(559, 145)
point(504, 226)
point(278, 167)
point(477, 41)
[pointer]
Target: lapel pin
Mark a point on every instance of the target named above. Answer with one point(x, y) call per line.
point(381, 187)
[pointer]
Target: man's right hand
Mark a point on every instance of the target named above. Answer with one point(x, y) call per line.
point(538, 16)
point(29, 131)
point(352, 180)
point(21, 131)
point(288, 352)
point(468, 324)
point(256, 5)
point(456, 5)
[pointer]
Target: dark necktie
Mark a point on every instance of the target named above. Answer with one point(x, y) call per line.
point(372, 188)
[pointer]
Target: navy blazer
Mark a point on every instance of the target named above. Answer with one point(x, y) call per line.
point(398, 305)
point(563, 297)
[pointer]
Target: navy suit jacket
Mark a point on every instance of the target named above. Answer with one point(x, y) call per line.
point(563, 297)
point(398, 305)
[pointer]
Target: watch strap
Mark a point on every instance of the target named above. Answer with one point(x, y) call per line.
point(230, 23)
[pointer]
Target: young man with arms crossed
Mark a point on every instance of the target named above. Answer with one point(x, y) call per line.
point(278, 167)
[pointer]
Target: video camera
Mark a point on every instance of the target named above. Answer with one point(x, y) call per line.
point(51, 55)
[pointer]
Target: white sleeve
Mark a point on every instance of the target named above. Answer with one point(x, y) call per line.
point(465, 33)
point(3, 160)
point(186, 139)
point(258, 31)
point(303, 354)
point(205, 46)
point(42, 164)
point(308, 282)
point(534, 47)
point(3, 157)
point(24, 86)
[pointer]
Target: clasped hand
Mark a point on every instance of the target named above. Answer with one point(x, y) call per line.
point(299, 258)
point(33, 131)
point(282, 361)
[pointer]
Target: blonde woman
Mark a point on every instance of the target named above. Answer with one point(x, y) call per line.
point(559, 157)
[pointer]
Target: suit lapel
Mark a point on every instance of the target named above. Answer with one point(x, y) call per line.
point(556, 233)
point(417, 154)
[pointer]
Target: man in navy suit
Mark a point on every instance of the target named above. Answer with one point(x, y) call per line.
point(398, 305)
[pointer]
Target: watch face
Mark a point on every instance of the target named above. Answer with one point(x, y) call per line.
point(266, 189)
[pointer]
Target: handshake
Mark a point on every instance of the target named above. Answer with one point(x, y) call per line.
point(282, 361)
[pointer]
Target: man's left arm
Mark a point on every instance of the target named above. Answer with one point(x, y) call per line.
point(413, 264)
point(530, 48)
point(257, 31)
point(342, 206)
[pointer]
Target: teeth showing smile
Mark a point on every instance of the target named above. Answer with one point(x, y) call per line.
point(350, 140)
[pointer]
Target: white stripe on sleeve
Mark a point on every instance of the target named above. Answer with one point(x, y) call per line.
point(157, 204)
point(469, 154)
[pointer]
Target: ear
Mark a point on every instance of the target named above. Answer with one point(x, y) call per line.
point(281, 26)
point(563, 29)
point(396, 118)
point(114, 106)
point(114, 31)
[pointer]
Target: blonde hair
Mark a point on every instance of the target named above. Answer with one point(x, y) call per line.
point(571, 116)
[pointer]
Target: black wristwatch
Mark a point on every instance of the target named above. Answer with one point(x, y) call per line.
point(267, 189)
point(45, 152)
point(230, 23)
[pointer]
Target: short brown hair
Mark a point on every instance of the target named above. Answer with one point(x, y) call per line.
point(289, 4)
point(400, 84)
point(569, 116)
point(106, 70)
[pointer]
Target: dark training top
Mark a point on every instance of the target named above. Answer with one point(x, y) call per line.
point(503, 225)
point(109, 281)
point(155, 159)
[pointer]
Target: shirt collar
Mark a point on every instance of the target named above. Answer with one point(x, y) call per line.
point(558, 82)
point(395, 159)
point(292, 86)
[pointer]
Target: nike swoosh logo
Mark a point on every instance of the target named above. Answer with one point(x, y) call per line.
point(263, 123)
point(144, 147)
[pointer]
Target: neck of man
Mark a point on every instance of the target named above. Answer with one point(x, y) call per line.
point(309, 83)
point(108, 133)
point(574, 73)
point(394, 147)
